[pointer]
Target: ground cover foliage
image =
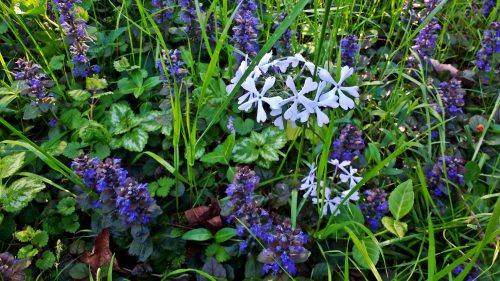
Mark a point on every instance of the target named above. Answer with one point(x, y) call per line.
point(249, 140)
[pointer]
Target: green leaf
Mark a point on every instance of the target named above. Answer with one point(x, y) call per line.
point(29, 7)
point(46, 261)
point(31, 112)
point(79, 271)
point(165, 184)
point(243, 127)
point(371, 248)
point(56, 62)
point(72, 118)
point(101, 151)
point(25, 235)
point(95, 84)
point(150, 121)
point(245, 151)
point(217, 251)
point(27, 252)
point(66, 206)
point(70, 223)
point(472, 172)
point(224, 234)
point(41, 238)
point(9, 165)
point(274, 137)
point(269, 153)
point(122, 64)
point(151, 82)
point(137, 77)
point(395, 227)
point(94, 131)
point(135, 140)
point(222, 152)
point(122, 118)
point(79, 95)
point(20, 193)
point(126, 86)
point(257, 139)
point(198, 234)
point(401, 199)
point(72, 150)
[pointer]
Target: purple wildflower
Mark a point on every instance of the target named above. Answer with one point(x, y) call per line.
point(282, 47)
point(11, 269)
point(374, 207)
point(36, 84)
point(53, 122)
point(490, 47)
point(246, 211)
point(190, 19)
point(285, 246)
point(164, 11)
point(488, 6)
point(175, 72)
point(425, 43)
point(349, 48)
point(472, 275)
point(230, 125)
point(120, 197)
point(349, 144)
point(246, 29)
point(452, 97)
point(436, 178)
point(75, 30)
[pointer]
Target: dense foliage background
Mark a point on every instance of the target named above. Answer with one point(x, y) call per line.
point(249, 140)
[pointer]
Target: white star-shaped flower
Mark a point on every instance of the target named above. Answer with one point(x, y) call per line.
point(340, 165)
point(321, 117)
point(262, 66)
point(349, 176)
point(298, 98)
point(330, 204)
point(237, 76)
point(353, 197)
point(259, 98)
point(309, 183)
point(344, 101)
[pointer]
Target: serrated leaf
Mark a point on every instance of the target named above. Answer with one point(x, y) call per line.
point(198, 234)
point(10, 164)
point(66, 206)
point(122, 118)
point(257, 139)
point(245, 151)
point(79, 95)
point(72, 118)
point(94, 131)
point(101, 151)
point(395, 227)
point(122, 64)
point(224, 234)
point(269, 153)
point(27, 252)
point(46, 261)
point(41, 238)
point(56, 62)
point(20, 193)
point(95, 84)
point(165, 186)
point(72, 150)
point(373, 253)
point(222, 152)
point(135, 140)
point(25, 235)
point(150, 121)
point(274, 137)
point(401, 199)
point(70, 223)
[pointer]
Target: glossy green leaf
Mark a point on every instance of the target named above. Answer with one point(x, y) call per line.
point(20, 193)
point(401, 199)
point(10, 164)
point(370, 248)
point(198, 234)
point(135, 140)
point(224, 234)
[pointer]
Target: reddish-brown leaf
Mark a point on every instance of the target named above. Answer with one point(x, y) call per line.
point(101, 254)
point(207, 215)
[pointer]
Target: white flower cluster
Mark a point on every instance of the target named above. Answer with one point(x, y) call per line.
point(331, 202)
point(296, 105)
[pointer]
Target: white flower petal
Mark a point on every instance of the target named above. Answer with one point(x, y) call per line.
point(353, 91)
point(291, 85)
point(261, 113)
point(268, 84)
point(344, 177)
point(249, 85)
point(345, 102)
point(309, 86)
point(325, 76)
point(274, 102)
point(247, 105)
point(321, 117)
point(345, 72)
